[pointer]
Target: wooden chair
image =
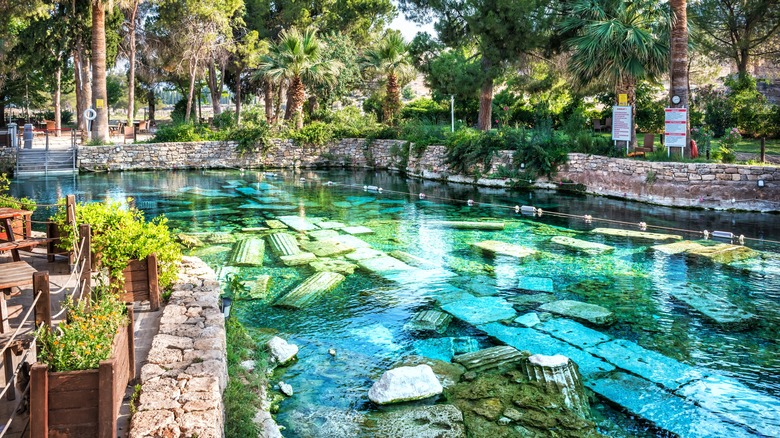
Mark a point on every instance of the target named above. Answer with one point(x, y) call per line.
point(597, 126)
point(142, 126)
point(608, 124)
point(647, 146)
point(128, 132)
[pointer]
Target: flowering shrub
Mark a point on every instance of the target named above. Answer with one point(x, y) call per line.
point(86, 337)
point(726, 152)
point(703, 137)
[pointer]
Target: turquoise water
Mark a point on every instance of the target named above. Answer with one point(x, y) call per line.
point(364, 318)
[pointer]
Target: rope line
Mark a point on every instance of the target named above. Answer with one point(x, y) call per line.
point(21, 325)
point(540, 212)
point(12, 416)
point(16, 373)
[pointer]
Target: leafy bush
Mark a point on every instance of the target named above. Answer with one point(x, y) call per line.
point(703, 138)
point(9, 201)
point(423, 134)
point(179, 111)
point(541, 151)
point(86, 336)
point(225, 120)
point(750, 108)
point(121, 234)
point(182, 132)
point(426, 110)
point(66, 117)
point(348, 122)
point(251, 138)
point(315, 133)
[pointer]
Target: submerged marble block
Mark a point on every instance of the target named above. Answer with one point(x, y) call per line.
point(581, 311)
point(363, 254)
point(716, 308)
point(357, 230)
point(248, 252)
point(303, 258)
point(573, 332)
point(718, 253)
point(413, 260)
point(310, 290)
point(537, 284)
point(323, 234)
point(653, 366)
point(480, 310)
point(275, 224)
point(436, 421)
point(283, 244)
point(430, 320)
point(340, 266)
point(503, 248)
point(582, 245)
point(329, 225)
point(326, 248)
point(664, 409)
point(636, 234)
point(385, 266)
point(445, 349)
point(405, 384)
point(255, 289)
point(561, 375)
point(490, 358)
point(465, 225)
point(297, 223)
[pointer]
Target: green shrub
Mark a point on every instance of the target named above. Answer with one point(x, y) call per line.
point(251, 138)
point(181, 132)
point(426, 110)
point(225, 120)
point(9, 201)
point(315, 133)
point(86, 336)
point(122, 234)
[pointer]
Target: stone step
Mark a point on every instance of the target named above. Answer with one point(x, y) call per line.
point(503, 248)
point(736, 402)
point(537, 342)
point(248, 252)
point(413, 260)
point(636, 234)
point(310, 290)
point(430, 320)
point(489, 358)
point(297, 223)
point(465, 225)
point(582, 245)
point(480, 310)
point(648, 364)
point(665, 410)
point(283, 244)
point(716, 308)
point(580, 311)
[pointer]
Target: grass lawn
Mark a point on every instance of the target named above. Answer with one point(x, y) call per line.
point(753, 146)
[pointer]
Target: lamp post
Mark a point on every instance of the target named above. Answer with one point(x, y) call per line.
point(452, 111)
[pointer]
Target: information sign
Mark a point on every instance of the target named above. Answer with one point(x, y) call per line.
point(622, 99)
point(675, 127)
point(98, 103)
point(621, 123)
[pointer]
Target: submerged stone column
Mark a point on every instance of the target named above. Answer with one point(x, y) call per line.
point(558, 373)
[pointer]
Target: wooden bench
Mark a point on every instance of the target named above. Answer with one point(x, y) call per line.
point(24, 244)
point(14, 274)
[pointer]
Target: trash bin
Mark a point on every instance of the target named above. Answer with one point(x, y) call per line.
point(12, 134)
point(28, 136)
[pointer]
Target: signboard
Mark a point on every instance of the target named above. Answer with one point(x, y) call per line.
point(675, 127)
point(621, 123)
point(622, 99)
point(98, 103)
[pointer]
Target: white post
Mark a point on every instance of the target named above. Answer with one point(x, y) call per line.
point(452, 111)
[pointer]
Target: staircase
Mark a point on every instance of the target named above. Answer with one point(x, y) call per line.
point(42, 161)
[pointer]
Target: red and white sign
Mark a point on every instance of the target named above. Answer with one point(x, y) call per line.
point(675, 127)
point(621, 123)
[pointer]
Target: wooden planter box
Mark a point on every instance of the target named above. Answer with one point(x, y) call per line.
point(20, 230)
point(83, 403)
point(141, 282)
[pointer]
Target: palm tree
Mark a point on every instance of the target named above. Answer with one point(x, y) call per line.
point(390, 58)
point(297, 58)
point(617, 43)
point(678, 70)
point(99, 93)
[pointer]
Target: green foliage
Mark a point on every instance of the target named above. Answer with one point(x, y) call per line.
point(426, 110)
point(718, 109)
point(184, 132)
point(314, 134)
point(86, 337)
point(122, 234)
point(179, 111)
point(225, 120)
point(587, 143)
point(541, 151)
point(9, 201)
point(751, 112)
point(649, 107)
point(66, 117)
point(241, 394)
point(349, 123)
point(252, 138)
point(423, 135)
point(703, 138)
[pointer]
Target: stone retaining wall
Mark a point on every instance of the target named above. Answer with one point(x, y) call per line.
point(186, 373)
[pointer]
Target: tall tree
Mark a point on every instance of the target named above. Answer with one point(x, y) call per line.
point(133, 17)
point(678, 71)
point(297, 57)
point(390, 58)
point(501, 30)
point(618, 43)
point(98, 60)
point(245, 55)
point(738, 30)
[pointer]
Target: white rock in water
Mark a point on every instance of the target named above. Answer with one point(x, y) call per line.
point(286, 389)
point(557, 360)
point(405, 384)
point(281, 351)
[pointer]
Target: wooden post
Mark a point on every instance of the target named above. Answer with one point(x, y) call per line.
point(4, 326)
point(51, 246)
point(154, 284)
point(86, 261)
point(131, 341)
point(43, 306)
point(39, 401)
point(106, 402)
point(8, 367)
point(70, 217)
point(763, 149)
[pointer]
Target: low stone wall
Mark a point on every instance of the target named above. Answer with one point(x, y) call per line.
point(186, 373)
point(349, 152)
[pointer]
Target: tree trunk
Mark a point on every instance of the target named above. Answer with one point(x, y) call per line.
point(289, 107)
point(627, 86)
point(297, 96)
point(743, 57)
point(190, 94)
point(238, 97)
point(268, 96)
point(281, 91)
point(83, 89)
point(313, 104)
point(99, 92)
point(392, 99)
point(57, 99)
point(2, 112)
point(150, 99)
point(214, 88)
point(679, 61)
point(131, 73)
point(484, 121)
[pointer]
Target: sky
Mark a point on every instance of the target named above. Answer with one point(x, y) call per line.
point(410, 29)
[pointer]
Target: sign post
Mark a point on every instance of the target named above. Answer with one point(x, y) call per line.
point(676, 129)
point(622, 125)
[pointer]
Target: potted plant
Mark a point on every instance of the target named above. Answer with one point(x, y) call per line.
point(83, 368)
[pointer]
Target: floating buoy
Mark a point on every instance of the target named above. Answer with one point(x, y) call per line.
point(588, 218)
point(527, 209)
point(539, 212)
point(723, 234)
point(303, 180)
point(380, 190)
point(741, 239)
point(329, 183)
point(371, 189)
point(470, 202)
point(706, 234)
point(422, 195)
point(517, 209)
point(643, 226)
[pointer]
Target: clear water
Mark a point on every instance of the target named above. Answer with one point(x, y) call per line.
point(363, 319)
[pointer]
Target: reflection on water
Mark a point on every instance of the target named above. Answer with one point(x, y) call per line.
point(364, 318)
